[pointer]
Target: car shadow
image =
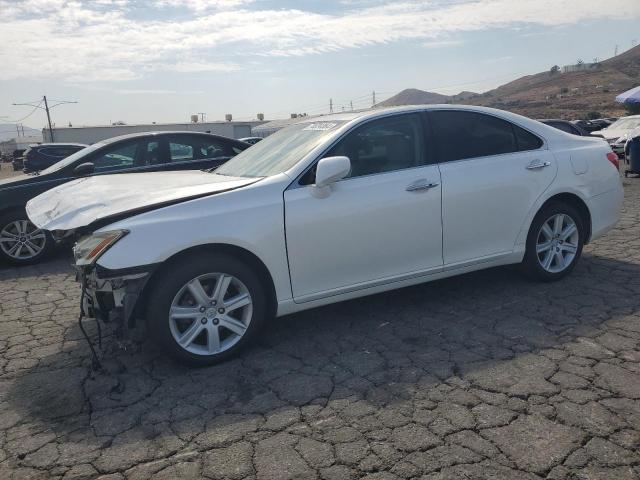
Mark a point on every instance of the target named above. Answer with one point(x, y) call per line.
point(492, 330)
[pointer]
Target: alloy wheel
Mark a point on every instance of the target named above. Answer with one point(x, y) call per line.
point(557, 243)
point(22, 240)
point(210, 313)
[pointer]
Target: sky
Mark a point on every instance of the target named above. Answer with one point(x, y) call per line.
point(141, 61)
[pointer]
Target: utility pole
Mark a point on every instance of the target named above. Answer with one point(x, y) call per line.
point(373, 102)
point(351, 103)
point(201, 116)
point(46, 108)
point(331, 105)
point(616, 51)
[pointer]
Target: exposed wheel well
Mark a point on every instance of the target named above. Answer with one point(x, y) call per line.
point(577, 203)
point(231, 250)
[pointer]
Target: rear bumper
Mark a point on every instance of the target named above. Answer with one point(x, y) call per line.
point(605, 211)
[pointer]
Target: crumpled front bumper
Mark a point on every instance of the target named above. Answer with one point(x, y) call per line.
point(111, 296)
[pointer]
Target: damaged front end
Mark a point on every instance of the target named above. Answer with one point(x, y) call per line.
point(108, 296)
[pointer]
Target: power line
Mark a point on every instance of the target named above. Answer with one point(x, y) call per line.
point(46, 108)
point(28, 115)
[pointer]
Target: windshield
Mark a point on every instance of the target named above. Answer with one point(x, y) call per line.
point(72, 158)
point(625, 124)
point(279, 152)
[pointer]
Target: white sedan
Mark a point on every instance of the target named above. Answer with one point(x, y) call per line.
point(330, 209)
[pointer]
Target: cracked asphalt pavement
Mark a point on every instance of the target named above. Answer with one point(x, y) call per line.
point(486, 375)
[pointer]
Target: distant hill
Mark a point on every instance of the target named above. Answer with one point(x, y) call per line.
point(413, 96)
point(8, 130)
point(550, 94)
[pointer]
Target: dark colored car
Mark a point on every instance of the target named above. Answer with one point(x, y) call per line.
point(16, 161)
point(22, 243)
point(589, 125)
point(569, 127)
point(251, 140)
point(39, 157)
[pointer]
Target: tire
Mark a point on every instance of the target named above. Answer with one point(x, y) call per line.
point(564, 249)
point(21, 242)
point(174, 312)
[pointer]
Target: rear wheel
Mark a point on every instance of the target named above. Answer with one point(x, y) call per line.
point(21, 242)
point(554, 243)
point(205, 309)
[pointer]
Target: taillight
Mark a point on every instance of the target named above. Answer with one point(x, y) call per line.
point(613, 158)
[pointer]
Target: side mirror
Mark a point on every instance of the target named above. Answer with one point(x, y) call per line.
point(331, 169)
point(84, 169)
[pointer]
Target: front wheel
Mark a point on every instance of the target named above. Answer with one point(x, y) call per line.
point(21, 242)
point(205, 309)
point(554, 243)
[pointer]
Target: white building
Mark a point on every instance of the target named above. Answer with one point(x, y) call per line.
point(18, 143)
point(579, 67)
point(92, 134)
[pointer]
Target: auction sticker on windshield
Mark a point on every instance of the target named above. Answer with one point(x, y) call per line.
point(320, 126)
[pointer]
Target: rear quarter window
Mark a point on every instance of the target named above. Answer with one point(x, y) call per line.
point(526, 140)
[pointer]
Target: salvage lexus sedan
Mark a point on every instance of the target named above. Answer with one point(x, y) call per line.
point(329, 209)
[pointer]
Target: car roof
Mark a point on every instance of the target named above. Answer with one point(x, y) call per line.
point(161, 133)
point(382, 112)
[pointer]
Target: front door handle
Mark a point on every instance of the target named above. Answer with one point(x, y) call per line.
point(422, 184)
point(536, 164)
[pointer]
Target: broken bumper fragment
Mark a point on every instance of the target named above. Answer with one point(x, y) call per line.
point(111, 296)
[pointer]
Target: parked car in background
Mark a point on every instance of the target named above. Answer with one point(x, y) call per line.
point(251, 140)
point(601, 122)
point(327, 210)
point(618, 132)
point(21, 242)
point(566, 126)
point(587, 125)
point(16, 161)
point(39, 157)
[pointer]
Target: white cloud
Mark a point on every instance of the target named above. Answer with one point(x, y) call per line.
point(204, 67)
point(202, 5)
point(106, 40)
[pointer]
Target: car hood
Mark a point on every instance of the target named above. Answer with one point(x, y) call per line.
point(609, 133)
point(82, 202)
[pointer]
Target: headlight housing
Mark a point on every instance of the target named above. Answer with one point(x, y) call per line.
point(88, 249)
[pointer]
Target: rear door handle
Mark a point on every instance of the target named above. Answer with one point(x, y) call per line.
point(536, 164)
point(422, 184)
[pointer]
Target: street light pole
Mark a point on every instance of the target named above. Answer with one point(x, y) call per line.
point(46, 107)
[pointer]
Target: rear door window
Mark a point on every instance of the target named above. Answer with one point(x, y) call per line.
point(184, 148)
point(461, 135)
